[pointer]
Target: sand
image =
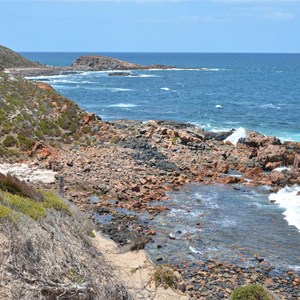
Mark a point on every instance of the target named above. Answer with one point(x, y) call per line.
point(135, 270)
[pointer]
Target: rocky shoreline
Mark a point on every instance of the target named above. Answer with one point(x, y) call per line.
point(131, 164)
point(83, 64)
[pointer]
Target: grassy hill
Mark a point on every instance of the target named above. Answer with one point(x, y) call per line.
point(33, 112)
point(11, 59)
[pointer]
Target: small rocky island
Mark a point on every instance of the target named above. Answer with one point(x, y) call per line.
point(18, 65)
point(104, 63)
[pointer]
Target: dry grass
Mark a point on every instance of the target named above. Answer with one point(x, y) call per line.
point(53, 259)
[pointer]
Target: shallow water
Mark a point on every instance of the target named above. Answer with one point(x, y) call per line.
point(225, 223)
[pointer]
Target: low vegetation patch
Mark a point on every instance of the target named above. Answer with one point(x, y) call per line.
point(165, 276)
point(251, 292)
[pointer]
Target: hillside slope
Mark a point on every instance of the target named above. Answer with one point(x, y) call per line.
point(32, 114)
point(46, 249)
point(11, 59)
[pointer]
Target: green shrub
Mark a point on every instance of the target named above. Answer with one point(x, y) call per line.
point(251, 292)
point(28, 207)
point(86, 129)
point(53, 201)
point(165, 276)
point(7, 213)
point(9, 141)
point(25, 143)
point(114, 140)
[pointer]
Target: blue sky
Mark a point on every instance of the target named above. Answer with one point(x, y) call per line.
point(151, 25)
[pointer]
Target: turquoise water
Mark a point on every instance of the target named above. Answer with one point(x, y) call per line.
point(215, 91)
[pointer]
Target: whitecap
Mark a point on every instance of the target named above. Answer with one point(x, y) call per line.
point(280, 169)
point(165, 89)
point(219, 106)
point(212, 69)
point(270, 105)
point(120, 89)
point(288, 199)
point(123, 105)
point(235, 136)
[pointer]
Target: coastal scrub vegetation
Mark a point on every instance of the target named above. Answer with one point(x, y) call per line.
point(46, 250)
point(25, 105)
point(251, 292)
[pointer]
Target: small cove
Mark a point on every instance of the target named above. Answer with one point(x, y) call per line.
point(231, 224)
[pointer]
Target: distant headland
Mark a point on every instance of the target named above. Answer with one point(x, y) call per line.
point(16, 64)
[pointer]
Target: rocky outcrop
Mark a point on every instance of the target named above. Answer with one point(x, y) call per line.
point(101, 63)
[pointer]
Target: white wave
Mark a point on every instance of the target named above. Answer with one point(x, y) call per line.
point(165, 88)
point(47, 77)
point(280, 169)
point(234, 137)
point(212, 69)
point(123, 105)
point(288, 199)
point(120, 89)
point(28, 172)
point(145, 75)
point(270, 105)
point(219, 106)
point(194, 250)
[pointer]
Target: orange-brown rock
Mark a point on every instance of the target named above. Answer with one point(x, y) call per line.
point(276, 177)
point(230, 180)
point(254, 173)
point(45, 86)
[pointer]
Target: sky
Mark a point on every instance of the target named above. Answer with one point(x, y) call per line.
point(270, 26)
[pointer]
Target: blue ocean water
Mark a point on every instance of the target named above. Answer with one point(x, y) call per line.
point(215, 91)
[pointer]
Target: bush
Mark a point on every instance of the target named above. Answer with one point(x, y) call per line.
point(12, 184)
point(9, 141)
point(26, 206)
point(165, 276)
point(53, 201)
point(251, 292)
point(25, 143)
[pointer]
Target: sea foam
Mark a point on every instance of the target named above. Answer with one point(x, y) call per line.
point(122, 105)
point(239, 133)
point(288, 199)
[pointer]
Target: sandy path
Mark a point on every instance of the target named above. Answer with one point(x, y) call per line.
point(137, 281)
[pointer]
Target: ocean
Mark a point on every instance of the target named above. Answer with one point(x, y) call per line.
point(216, 92)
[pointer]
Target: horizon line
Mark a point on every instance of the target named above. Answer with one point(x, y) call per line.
point(160, 52)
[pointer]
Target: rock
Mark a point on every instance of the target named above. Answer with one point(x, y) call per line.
point(229, 180)
point(99, 63)
point(276, 177)
point(44, 86)
point(272, 165)
point(172, 236)
point(254, 173)
point(296, 164)
point(120, 74)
